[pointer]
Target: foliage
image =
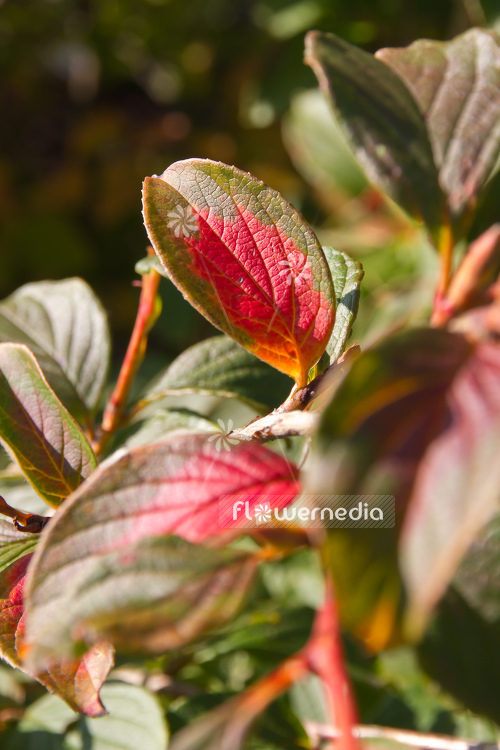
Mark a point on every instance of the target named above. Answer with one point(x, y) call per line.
point(190, 546)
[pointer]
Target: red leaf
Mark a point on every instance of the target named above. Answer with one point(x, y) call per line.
point(174, 487)
point(75, 681)
point(245, 258)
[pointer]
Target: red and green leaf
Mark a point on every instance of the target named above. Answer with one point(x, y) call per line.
point(416, 417)
point(106, 566)
point(76, 681)
point(245, 258)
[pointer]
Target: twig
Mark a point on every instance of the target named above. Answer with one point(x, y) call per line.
point(277, 425)
point(402, 736)
point(29, 522)
point(147, 314)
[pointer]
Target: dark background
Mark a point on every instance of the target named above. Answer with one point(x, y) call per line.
point(96, 95)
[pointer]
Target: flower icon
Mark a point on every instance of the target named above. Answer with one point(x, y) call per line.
point(262, 513)
point(224, 441)
point(287, 271)
point(182, 222)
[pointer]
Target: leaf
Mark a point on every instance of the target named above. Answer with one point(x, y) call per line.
point(10, 552)
point(416, 417)
point(477, 579)
point(317, 146)
point(456, 490)
point(457, 87)
point(220, 367)
point(65, 326)
point(47, 443)
point(145, 265)
point(104, 566)
point(151, 596)
point(383, 124)
point(166, 421)
point(347, 275)
point(173, 487)
point(76, 681)
point(245, 258)
point(135, 721)
point(460, 652)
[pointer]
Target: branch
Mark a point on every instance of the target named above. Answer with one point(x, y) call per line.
point(402, 736)
point(278, 425)
point(29, 522)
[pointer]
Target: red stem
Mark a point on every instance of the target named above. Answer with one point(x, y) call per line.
point(325, 658)
point(146, 316)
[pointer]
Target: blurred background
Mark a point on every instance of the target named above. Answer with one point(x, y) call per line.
point(97, 94)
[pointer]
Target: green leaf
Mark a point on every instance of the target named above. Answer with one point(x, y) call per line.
point(166, 421)
point(220, 367)
point(460, 652)
point(49, 714)
point(317, 146)
point(457, 87)
point(145, 265)
point(478, 576)
point(151, 596)
point(10, 552)
point(383, 123)
point(65, 326)
point(347, 275)
point(135, 721)
point(245, 258)
point(47, 443)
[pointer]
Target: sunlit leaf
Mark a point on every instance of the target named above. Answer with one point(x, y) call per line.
point(65, 326)
point(383, 124)
point(347, 274)
point(220, 367)
point(245, 258)
point(105, 567)
point(173, 487)
point(76, 681)
point(457, 87)
point(47, 443)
